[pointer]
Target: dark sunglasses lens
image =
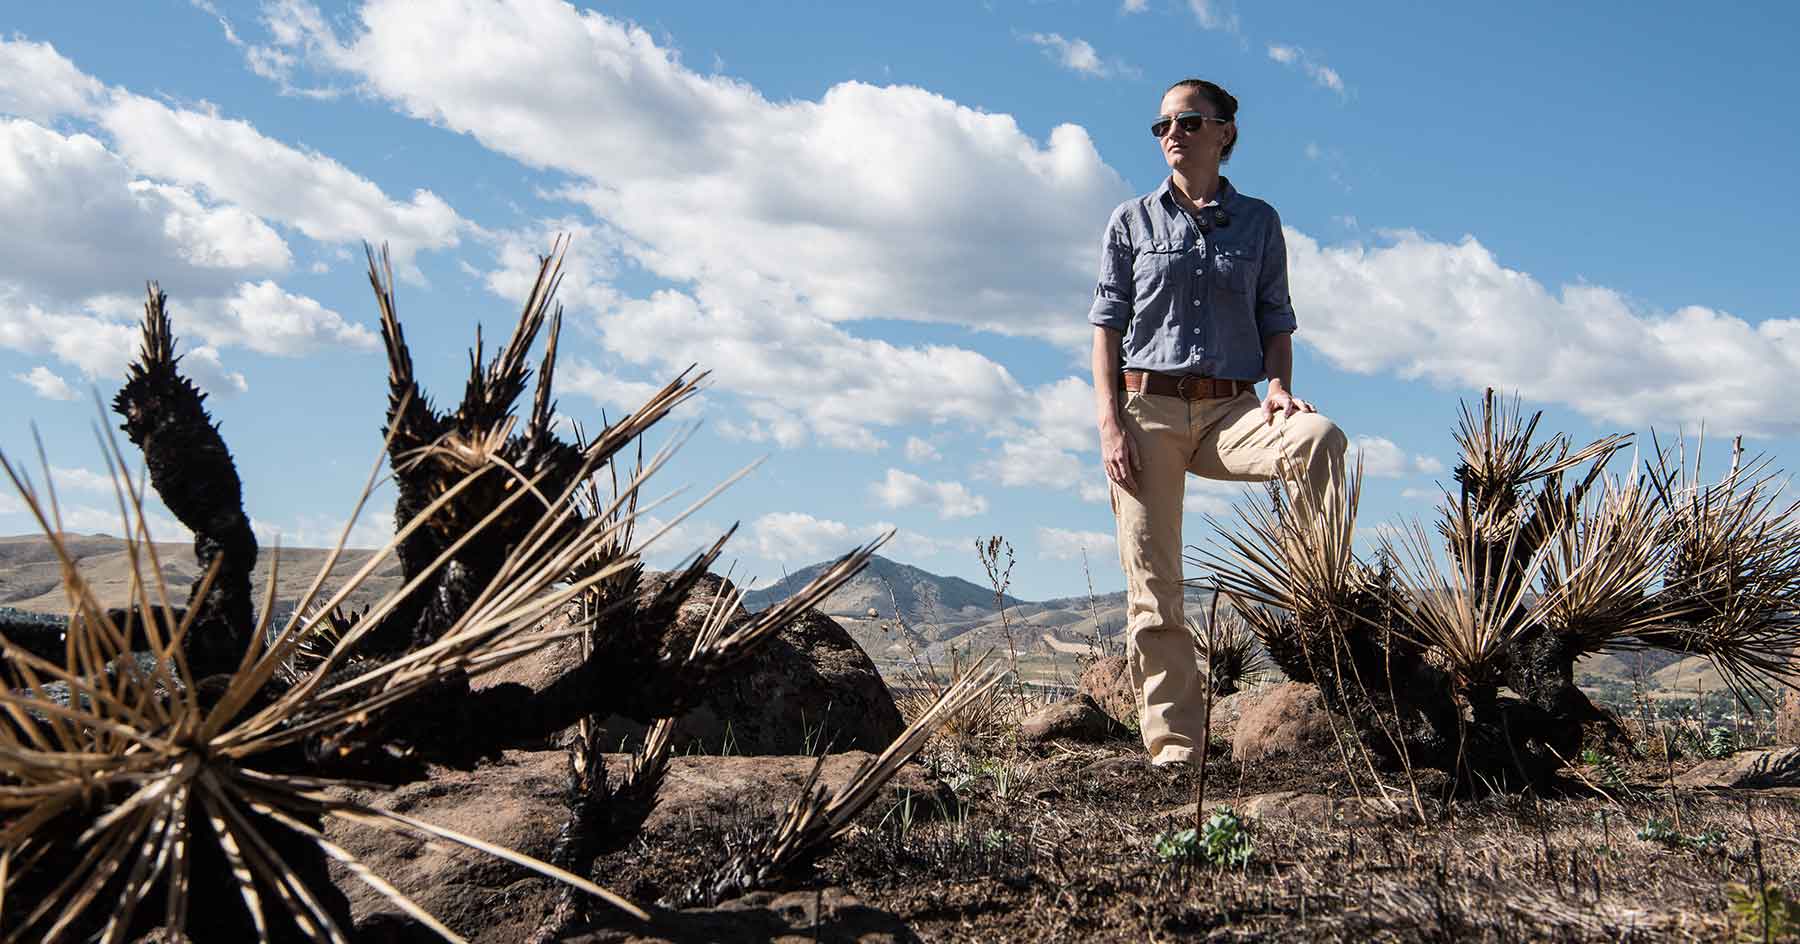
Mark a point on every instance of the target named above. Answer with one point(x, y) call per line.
point(1192, 125)
point(1160, 127)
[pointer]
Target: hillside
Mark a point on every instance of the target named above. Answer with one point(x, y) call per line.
point(30, 576)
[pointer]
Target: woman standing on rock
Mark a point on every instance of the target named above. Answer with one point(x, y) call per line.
point(1191, 311)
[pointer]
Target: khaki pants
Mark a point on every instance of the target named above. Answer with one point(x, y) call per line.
point(1222, 438)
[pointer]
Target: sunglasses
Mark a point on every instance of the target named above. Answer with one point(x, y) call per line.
point(1189, 121)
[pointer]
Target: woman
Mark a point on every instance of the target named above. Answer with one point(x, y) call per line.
point(1191, 311)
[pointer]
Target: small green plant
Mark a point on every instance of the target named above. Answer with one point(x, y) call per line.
point(1659, 831)
point(1223, 839)
point(1768, 915)
point(901, 815)
point(1719, 743)
point(996, 839)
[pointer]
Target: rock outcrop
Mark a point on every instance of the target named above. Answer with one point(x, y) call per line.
point(1287, 718)
point(809, 689)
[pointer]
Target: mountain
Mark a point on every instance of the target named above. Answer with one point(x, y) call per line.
point(923, 597)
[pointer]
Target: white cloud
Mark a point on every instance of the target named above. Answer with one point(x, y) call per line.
point(1208, 14)
point(1076, 55)
point(797, 368)
point(203, 366)
point(309, 191)
point(81, 480)
point(36, 82)
point(47, 383)
point(1381, 458)
point(1453, 315)
point(1061, 544)
point(264, 318)
point(795, 536)
point(1322, 74)
point(99, 347)
point(1431, 495)
point(80, 223)
point(918, 450)
point(711, 183)
point(1134, 6)
point(903, 489)
point(372, 530)
point(603, 387)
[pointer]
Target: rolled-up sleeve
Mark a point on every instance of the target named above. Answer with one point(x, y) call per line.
point(1113, 291)
point(1274, 307)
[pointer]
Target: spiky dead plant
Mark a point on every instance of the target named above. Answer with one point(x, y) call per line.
point(1541, 567)
point(202, 770)
point(816, 815)
point(1732, 575)
point(149, 777)
point(1228, 650)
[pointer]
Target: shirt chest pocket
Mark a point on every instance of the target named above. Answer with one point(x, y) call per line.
point(1155, 263)
point(1234, 269)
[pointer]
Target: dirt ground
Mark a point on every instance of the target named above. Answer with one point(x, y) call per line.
point(1059, 844)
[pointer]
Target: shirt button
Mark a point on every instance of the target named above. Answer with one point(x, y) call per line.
point(1196, 303)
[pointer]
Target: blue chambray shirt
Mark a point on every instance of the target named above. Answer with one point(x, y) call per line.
point(1189, 302)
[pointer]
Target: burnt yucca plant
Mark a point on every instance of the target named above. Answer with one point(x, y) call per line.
point(1461, 653)
point(179, 752)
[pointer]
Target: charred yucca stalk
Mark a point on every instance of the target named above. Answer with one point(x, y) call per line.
point(1731, 582)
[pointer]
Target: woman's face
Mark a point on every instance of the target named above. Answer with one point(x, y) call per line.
point(1199, 150)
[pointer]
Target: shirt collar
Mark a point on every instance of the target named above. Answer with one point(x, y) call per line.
point(1227, 193)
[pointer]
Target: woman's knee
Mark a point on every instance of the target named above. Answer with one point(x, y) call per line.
point(1314, 434)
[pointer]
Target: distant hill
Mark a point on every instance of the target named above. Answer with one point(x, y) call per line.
point(923, 597)
point(31, 577)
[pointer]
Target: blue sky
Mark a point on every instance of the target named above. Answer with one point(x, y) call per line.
point(877, 225)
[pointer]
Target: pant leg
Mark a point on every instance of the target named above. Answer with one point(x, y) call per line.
point(1234, 443)
point(1164, 667)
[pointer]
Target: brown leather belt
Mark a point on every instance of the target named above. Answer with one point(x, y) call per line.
point(1186, 386)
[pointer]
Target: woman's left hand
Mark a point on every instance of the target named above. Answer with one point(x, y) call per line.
point(1287, 404)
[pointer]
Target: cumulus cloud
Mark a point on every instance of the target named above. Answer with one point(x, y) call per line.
point(80, 223)
point(1451, 314)
point(36, 82)
point(309, 191)
point(229, 160)
point(795, 536)
point(1320, 73)
point(709, 182)
point(901, 489)
point(47, 383)
point(1383, 458)
point(919, 450)
point(1062, 544)
point(264, 318)
point(1076, 55)
point(1134, 6)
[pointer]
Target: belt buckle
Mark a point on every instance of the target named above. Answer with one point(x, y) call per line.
point(1184, 388)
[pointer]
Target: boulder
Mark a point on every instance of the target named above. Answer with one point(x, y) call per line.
point(517, 803)
point(1108, 682)
point(1787, 720)
point(1779, 768)
point(1078, 719)
point(1287, 718)
point(809, 688)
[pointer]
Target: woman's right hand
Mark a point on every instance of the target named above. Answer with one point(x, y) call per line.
point(1118, 454)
